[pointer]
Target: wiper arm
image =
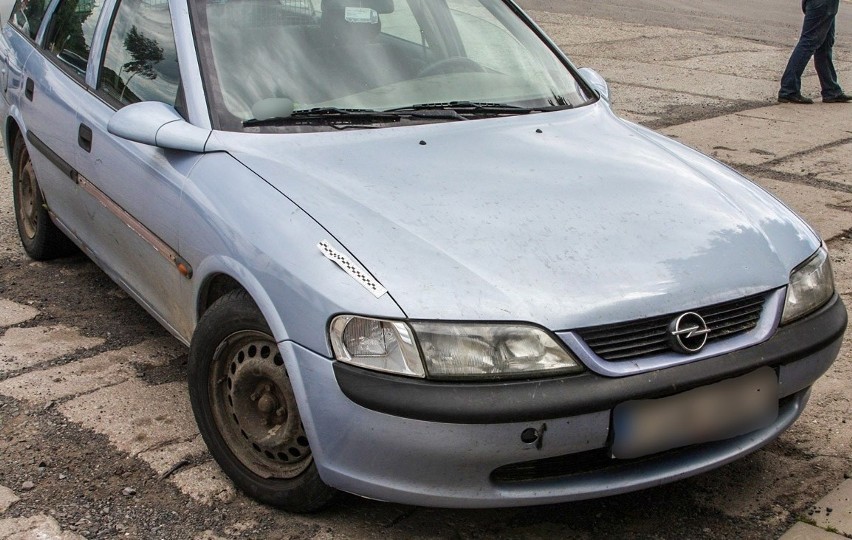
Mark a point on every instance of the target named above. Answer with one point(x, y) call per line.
point(466, 107)
point(326, 115)
point(428, 110)
point(476, 107)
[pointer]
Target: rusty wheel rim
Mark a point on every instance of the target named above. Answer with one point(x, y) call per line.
point(255, 409)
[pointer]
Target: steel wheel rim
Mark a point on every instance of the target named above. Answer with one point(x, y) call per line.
point(27, 197)
point(255, 409)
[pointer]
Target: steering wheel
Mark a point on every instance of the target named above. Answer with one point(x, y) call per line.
point(453, 64)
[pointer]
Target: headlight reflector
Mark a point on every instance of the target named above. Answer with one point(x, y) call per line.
point(811, 286)
point(474, 350)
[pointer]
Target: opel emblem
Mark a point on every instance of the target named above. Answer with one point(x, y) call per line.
point(688, 333)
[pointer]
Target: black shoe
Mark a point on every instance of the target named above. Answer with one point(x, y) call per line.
point(795, 98)
point(842, 98)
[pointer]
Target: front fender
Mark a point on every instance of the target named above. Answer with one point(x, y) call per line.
point(235, 223)
point(215, 265)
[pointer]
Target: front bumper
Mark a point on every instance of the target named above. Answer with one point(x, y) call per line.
point(439, 444)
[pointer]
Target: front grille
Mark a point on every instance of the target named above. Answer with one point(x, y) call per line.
point(567, 465)
point(645, 337)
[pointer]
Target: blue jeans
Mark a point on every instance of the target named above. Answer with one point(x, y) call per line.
point(816, 41)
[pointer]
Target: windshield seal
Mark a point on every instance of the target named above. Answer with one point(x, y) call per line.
point(222, 119)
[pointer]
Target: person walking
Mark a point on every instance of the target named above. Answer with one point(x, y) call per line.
point(816, 41)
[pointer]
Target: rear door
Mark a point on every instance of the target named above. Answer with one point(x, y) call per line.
point(51, 83)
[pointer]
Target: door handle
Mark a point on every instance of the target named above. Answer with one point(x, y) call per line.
point(29, 89)
point(84, 137)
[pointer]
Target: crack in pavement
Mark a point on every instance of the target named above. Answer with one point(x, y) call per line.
point(802, 153)
point(791, 178)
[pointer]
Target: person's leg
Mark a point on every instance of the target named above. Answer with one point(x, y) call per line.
point(825, 67)
point(819, 18)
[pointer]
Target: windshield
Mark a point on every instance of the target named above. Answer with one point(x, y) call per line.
point(288, 62)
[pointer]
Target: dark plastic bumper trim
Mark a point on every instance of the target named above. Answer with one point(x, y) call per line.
point(519, 401)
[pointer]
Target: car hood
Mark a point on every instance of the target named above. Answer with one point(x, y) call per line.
point(565, 219)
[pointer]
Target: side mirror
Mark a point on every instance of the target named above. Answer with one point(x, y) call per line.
point(597, 82)
point(158, 124)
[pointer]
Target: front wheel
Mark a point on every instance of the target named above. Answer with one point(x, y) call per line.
point(246, 410)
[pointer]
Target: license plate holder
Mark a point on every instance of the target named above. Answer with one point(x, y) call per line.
point(709, 413)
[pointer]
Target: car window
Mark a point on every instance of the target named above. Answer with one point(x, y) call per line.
point(140, 61)
point(27, 16)
point(70, 31)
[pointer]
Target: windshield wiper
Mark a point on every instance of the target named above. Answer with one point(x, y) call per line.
point(329, 115)
point(469, 108)
point(451, 110)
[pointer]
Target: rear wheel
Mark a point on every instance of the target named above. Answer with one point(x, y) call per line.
point(246, 410)
point(41, 239)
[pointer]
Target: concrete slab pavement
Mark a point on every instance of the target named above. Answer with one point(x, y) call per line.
point(169, 458)
point(671, 45)
point(832, 163)
point(7, 498)
point(834, 511)
point(573, 29)
point(768, 21)
point(135, 416)
point(642, 103)
point(805, 531)
point(744, 139)
point(679, 67)
point(38, 527)
point(205, 483)
point(77, 378)
point(681, 80)
point(758, 64)
point(12, 313)
point(25, 347)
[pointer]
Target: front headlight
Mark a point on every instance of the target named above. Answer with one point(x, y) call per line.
point(449, 350)
point(464, 351)
point(374, 344)
point(811, 286)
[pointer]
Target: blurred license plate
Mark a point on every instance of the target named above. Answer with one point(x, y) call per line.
point(709, 413)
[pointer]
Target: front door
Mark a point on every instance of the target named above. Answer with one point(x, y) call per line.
point(134, 190)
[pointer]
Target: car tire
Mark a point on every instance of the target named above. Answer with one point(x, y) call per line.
point(241, 395)
point(41, 239)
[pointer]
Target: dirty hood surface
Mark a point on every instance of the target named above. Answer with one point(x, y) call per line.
point(591, 220)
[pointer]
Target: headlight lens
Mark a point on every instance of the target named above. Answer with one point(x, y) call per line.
point(458, 351)
point(374, 344)
point(449, 350)
point(811, 286)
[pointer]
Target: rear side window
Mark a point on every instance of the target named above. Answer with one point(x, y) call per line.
point(140, 62)
point(27, 16)
point(69, 34)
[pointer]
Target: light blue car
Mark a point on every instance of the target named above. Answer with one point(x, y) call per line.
point(415, 255)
